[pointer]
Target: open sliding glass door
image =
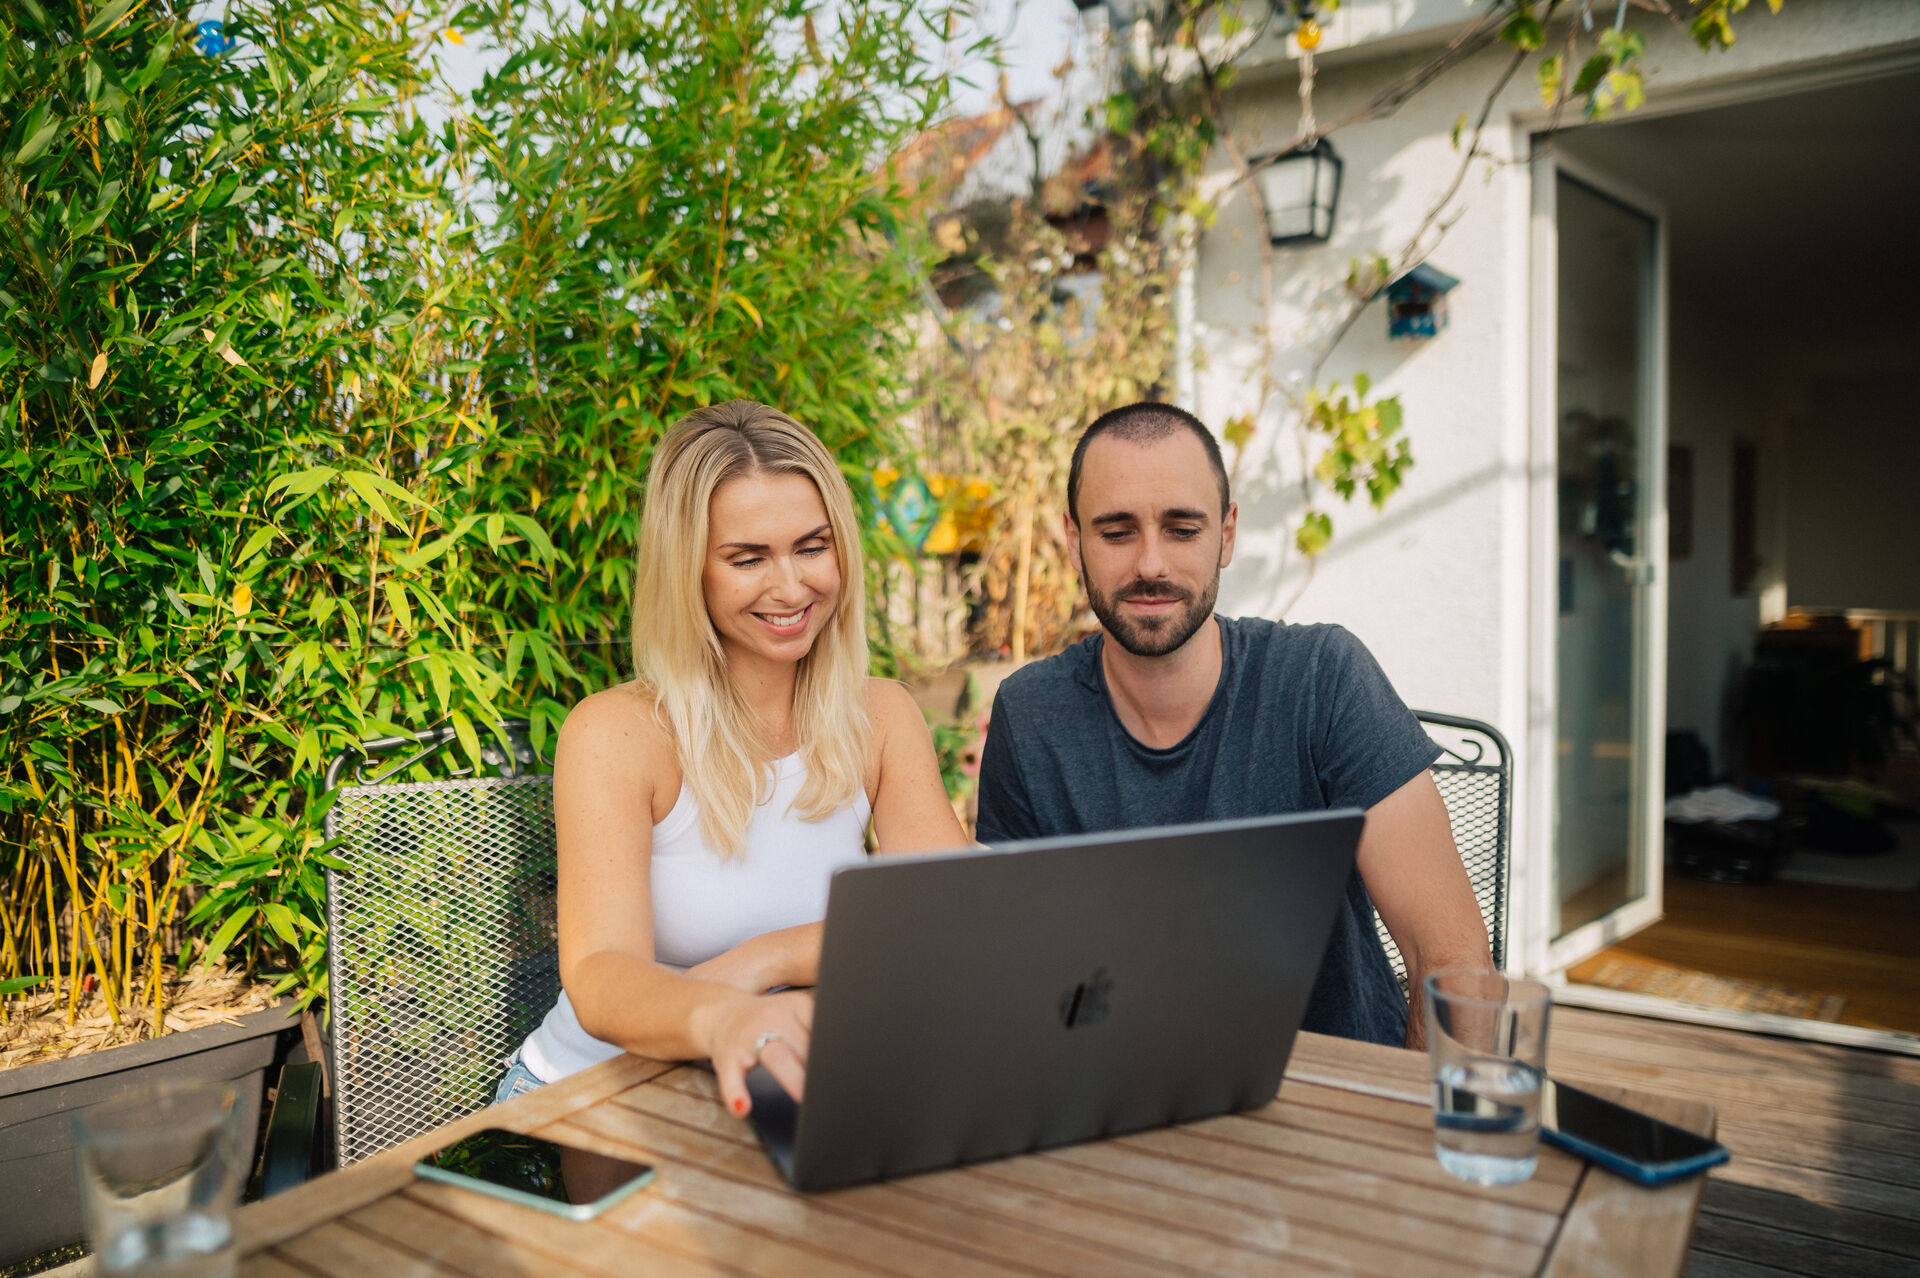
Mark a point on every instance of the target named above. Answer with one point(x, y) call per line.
point(1600, 544)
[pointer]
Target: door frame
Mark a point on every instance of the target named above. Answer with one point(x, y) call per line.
point(1536, 889)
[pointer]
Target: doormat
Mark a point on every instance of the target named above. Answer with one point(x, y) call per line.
point(1704, 989)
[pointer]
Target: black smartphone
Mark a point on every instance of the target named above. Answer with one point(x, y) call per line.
point(565, 1179)
point(1636, 1145)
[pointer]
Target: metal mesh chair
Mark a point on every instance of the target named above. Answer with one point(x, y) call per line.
point(1475, 776)
point(443, 940)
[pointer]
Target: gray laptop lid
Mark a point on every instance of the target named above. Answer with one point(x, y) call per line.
point(982, 1004)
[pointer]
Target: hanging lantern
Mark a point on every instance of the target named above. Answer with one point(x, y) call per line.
point(1302, 190)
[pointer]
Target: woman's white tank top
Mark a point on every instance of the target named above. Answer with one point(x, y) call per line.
point(704, 905)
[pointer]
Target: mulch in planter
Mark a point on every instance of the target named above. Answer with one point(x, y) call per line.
point(36, 1027)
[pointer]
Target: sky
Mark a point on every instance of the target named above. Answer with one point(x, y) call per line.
point(1033, 36)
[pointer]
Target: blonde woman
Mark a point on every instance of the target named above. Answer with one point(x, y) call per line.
point(702, 808)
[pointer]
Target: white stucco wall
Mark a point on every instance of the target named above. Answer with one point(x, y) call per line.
point(1442, 584)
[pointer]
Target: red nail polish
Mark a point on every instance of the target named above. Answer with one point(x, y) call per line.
point(740, 1105)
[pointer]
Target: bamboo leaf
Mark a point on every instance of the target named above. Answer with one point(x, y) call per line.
point(35, 146)
point(229, 928)
point(361, 482)
point(106, 18)
point(282, 921)
point(469, 739)
point(257, 542)
point(396, 592)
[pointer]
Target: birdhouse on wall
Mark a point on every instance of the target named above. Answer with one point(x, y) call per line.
point(1417, 302)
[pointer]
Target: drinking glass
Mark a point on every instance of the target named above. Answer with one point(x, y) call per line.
point(160, 1171)
point(1487, 1043)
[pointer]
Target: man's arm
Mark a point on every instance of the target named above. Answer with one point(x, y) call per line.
point(1003, 812)
point(1414, 875)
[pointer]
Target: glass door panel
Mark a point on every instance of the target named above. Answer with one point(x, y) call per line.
point(1607, 410)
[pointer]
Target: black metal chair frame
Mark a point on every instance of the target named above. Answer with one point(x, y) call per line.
point(459, 871)
point(1475, 776)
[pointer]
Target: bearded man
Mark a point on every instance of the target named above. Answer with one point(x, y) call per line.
point(1173, 715)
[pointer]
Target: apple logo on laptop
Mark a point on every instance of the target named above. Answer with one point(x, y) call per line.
point(1086, 1003)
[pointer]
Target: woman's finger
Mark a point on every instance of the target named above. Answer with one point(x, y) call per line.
point(730, 1072)
point(787, 1066)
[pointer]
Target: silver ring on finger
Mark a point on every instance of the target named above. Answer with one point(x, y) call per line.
point(760, 1044)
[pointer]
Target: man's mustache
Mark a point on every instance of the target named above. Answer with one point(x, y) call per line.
point(1141, 589)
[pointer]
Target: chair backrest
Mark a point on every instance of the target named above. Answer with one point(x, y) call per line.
point(443, 946)
point(1475, 776)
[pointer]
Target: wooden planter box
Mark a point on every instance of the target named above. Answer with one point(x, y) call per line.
point(39, 1181)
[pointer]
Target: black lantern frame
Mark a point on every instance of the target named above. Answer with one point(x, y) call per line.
point(1301, 189)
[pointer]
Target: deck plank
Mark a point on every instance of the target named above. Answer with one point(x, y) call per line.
point(1825, 1177)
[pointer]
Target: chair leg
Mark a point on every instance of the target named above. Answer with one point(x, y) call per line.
point(288, 1156)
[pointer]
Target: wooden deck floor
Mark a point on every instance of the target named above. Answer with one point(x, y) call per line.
point(1825, 1175)
point(1859, 943)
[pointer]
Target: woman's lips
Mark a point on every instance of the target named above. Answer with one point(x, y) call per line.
point(785, 623)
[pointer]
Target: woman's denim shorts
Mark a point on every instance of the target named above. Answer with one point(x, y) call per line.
point(518, 1080)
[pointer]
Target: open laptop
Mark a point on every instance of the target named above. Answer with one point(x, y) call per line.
point(987, 1003)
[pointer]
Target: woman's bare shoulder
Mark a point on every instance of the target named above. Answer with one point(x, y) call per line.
point(621, 720)
point(889, 704)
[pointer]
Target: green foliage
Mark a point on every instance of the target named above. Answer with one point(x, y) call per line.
point(1365, 449)
point(1712, 24)
point(326, 398)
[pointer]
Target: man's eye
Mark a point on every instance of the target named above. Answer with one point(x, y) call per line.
point(1116, 534)
point(1184, 534)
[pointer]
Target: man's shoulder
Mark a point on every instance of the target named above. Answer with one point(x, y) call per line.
point(1266, 642)
point(1054, 676)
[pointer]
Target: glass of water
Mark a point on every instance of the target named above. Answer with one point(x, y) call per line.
point(1487, 1043)
point(160, 1172)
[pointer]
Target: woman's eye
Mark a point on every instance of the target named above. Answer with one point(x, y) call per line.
point(750, 561)
point(811, 551)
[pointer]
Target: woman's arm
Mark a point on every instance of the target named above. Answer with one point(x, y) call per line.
point(612, 769)
point(911, 811)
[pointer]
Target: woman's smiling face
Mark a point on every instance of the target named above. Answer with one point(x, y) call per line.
point(772, 573)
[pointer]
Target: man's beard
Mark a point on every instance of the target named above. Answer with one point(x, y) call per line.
point(1152, 636)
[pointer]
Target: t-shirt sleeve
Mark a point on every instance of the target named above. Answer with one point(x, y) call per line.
point(1370, 743)
point(1004, 812)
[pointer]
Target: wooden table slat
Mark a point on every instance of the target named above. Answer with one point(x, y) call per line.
point(1271, 1221)
point(338, 1248)
point(566, 1246)
point(264, 1264)
point(328, 1197)
point(1333, 1193)
point(449, 1240)
point(738, 1184)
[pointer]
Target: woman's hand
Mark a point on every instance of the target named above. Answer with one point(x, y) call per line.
point(769, 1029)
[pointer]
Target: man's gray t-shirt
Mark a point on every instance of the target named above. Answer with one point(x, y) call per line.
point(1303, 720)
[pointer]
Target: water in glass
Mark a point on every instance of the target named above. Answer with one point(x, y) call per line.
point(1486, 1113)
point(192, 1245)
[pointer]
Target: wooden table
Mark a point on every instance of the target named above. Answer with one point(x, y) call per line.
point(1337, 1175)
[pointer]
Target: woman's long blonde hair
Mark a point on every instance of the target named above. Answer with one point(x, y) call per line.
point(724, 756)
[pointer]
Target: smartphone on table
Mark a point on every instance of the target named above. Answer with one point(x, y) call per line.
point(564, 1179)
point(1635, 1145)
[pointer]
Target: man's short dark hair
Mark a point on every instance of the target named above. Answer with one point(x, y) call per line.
point(1145, 423)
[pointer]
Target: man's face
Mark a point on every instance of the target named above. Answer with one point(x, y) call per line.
point(1151, 541)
